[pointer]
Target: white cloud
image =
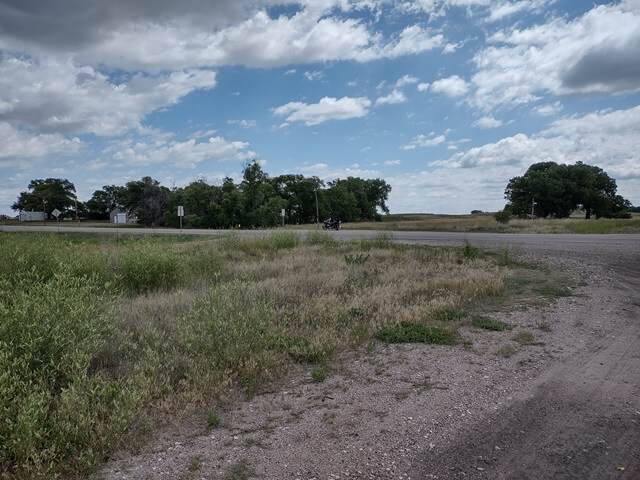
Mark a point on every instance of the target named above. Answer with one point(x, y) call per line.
point(453, 86)
point(548, 109)
point(406, 80)
point(423, 141)
point(487, 122)
point(290, 71)
point(18, 146)
point(595, 53)
point(243, 123)
point(327, 172)
point(55, 96)
point(395, 97)
point(392, 162)
point(186, 154)
point(314, 75)
point(423, 87)
point(328, 108)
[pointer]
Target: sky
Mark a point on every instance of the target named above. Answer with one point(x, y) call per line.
point(445, 100)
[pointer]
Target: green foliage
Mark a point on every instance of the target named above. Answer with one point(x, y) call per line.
point(503, 216)
point(417, 333)
point(469, 251)
point(146, 268)
point(281, 240)
point(559, 189)
point(48, 194)
point(450, 315)
point(213, 419)
point(319, 374)
point(240, 470)
point(507, 351)
point(489, 323)
point(316, 237)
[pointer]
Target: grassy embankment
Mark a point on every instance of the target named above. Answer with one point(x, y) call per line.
point(486, 223)
point(103, 339)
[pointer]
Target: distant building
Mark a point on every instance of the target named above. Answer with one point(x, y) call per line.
point(31, 216)
point(119, 215)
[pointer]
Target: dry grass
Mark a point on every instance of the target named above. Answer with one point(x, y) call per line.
point(230, 316)
point(486, 223)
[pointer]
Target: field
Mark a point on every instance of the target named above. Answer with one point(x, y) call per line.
point(102, 340)
point(486, 223)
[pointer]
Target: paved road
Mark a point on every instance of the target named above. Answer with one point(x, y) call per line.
point(430, 238)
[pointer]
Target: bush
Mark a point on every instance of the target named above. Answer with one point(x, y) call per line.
point(503, 216)
point(148, 268)
point(281, 240)
point(316, 237)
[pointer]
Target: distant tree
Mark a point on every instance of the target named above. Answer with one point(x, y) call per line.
point(369, 195)
point(299, 193)
point(104, 201)
point(559, 189)
point(147, 199)
point(50, 194)
point(476, 212)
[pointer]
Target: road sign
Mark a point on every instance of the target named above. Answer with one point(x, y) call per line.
point(56, 213)
point(282, 212)
point(180, 211)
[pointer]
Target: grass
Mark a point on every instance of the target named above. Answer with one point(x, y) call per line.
point(487, 223)
point(319, 374)
point(490, 323)
point(417, 333)
point(524, 338)
point(507, 351)
point(240, 470)
point(103, 340)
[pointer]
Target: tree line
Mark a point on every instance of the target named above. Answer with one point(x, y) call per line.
point(256, 201)
point(555, 190)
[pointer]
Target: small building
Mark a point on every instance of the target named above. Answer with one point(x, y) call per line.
point(118, 215)
point(31, 216)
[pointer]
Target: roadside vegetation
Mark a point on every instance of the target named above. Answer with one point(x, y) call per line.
point(104, 339)
point(487, 223)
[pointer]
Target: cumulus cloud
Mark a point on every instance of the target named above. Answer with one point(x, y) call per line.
point(330, 172)
point(314, 75)
point(453, 86)
point(548, 109)
point(328, 108)
point(243, 123)
point(487, 122)
point(424, 141)
point(188, 153)
point(423, 87)
point(395, 97)
point(54, 96)
point(595, 53)
point(17, 145)
point(405, 80)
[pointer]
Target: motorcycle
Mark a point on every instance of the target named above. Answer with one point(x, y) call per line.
point(330, 224)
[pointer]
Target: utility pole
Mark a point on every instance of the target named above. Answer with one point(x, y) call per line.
point(317, 211)
point(76, 199)
point(532, 204)
point(44, 211)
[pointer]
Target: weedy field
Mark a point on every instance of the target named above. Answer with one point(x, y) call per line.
point(103, 339)
point(487, 223)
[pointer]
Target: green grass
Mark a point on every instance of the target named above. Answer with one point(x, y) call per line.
point(417, 333)
point(489, 323)
point(104, 339)
point(507, 351)
point(240, 470)
point(524, 338)
point(319, 374)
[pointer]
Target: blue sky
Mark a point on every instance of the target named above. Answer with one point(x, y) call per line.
point(444, 99)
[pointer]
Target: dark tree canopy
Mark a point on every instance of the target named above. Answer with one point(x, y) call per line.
point(257, 201)
point(557, 190)
point(48, 194)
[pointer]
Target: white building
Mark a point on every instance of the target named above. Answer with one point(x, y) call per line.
point(31, 216)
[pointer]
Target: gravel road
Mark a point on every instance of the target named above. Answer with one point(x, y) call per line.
point(565, 408)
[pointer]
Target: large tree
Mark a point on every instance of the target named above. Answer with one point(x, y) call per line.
point(104, 201)
point(147, 199)
point(48, 195)
point(556, 190)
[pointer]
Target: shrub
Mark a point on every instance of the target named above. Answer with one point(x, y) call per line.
point(147, 268)
point(503, 216)
point(490, 324)
point(281, 240)
point(316, 237)
point(405, 332)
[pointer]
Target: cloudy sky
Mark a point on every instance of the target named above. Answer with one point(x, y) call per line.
point(444, 99)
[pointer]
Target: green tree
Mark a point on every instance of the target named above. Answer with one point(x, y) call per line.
point(48, 194)
point(147, 199)
point(594, 190)
point(104, 201)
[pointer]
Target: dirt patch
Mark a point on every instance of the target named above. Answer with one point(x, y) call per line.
point(564, 406)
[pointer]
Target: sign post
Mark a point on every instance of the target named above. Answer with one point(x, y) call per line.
point(180, 214)
point(282, 215)
point(56, 213)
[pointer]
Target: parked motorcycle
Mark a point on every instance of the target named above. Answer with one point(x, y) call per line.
point(330, 224)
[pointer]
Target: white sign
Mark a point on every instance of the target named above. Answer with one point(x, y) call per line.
point(282, 212)
point(56, 213)
point(180, 211)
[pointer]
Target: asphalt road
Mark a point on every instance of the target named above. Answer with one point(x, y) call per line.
point(427, 238)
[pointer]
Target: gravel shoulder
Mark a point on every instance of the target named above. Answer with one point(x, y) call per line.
point(567, 407)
